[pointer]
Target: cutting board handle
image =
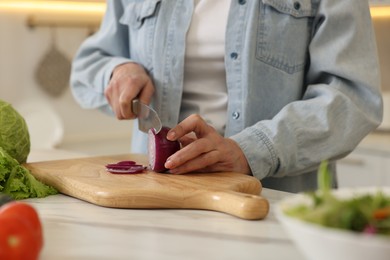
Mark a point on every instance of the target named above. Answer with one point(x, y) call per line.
point(242, 205)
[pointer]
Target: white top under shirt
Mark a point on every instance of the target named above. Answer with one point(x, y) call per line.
point(205, 91)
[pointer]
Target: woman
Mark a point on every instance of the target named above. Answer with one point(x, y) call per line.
point(269, 88)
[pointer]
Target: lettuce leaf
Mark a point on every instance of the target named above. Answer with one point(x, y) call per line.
point(18, 182)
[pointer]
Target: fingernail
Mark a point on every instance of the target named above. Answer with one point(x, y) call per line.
point(171, 135)
point(168, 164)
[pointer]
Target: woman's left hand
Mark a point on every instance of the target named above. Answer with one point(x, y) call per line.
point(204, 149)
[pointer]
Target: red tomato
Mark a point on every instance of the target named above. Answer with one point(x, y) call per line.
point(29, 224)
point(17, 239)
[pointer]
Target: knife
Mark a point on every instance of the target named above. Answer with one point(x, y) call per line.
point(147, 117)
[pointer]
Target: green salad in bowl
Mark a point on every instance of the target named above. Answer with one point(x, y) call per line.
point(346, 223)
point(367, 212)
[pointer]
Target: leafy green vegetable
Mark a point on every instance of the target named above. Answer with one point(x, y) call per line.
point(14, 135)
point(368, 213)
point(324, 178)
point(18, 182)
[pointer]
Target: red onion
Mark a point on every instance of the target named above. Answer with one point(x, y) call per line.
point(125, 167)
point(160, 148)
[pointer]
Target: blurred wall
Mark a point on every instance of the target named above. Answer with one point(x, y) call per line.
point(21, 50)
point(382, 32)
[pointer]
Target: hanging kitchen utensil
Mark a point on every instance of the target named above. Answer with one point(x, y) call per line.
point(53, 70)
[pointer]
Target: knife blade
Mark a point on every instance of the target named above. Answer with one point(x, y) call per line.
point(147, 117)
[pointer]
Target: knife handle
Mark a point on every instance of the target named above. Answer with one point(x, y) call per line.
point(135, 106)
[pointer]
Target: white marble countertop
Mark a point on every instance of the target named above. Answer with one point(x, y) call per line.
point(74, 229)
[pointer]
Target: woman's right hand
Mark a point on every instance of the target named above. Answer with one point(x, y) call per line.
point(128, 81)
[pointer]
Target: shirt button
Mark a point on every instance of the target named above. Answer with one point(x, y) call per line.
point(242, 2)
point(235, 115)
point(297, 5)
point(234, 55)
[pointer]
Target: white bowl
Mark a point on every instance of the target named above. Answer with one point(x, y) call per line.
point(322, 243)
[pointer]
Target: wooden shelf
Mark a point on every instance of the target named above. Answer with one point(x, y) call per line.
point(56, 20)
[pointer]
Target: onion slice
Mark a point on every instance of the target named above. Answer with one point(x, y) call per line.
point(125, 167)
point(121, 163)
point(160, 148)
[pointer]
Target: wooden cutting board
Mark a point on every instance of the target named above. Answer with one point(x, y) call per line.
point(87, 179)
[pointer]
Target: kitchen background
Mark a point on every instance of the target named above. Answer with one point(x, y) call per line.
point(38, 41)
point(33, 56)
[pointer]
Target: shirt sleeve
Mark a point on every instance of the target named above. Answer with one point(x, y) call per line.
point(341, 102)
point(97, 57)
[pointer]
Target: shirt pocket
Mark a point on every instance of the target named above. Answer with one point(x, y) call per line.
point(284, 32)
point(140, 17)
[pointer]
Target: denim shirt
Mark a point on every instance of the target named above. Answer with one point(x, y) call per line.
point(302, 76)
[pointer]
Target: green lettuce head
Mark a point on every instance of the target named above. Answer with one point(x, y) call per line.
point(14, 135)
